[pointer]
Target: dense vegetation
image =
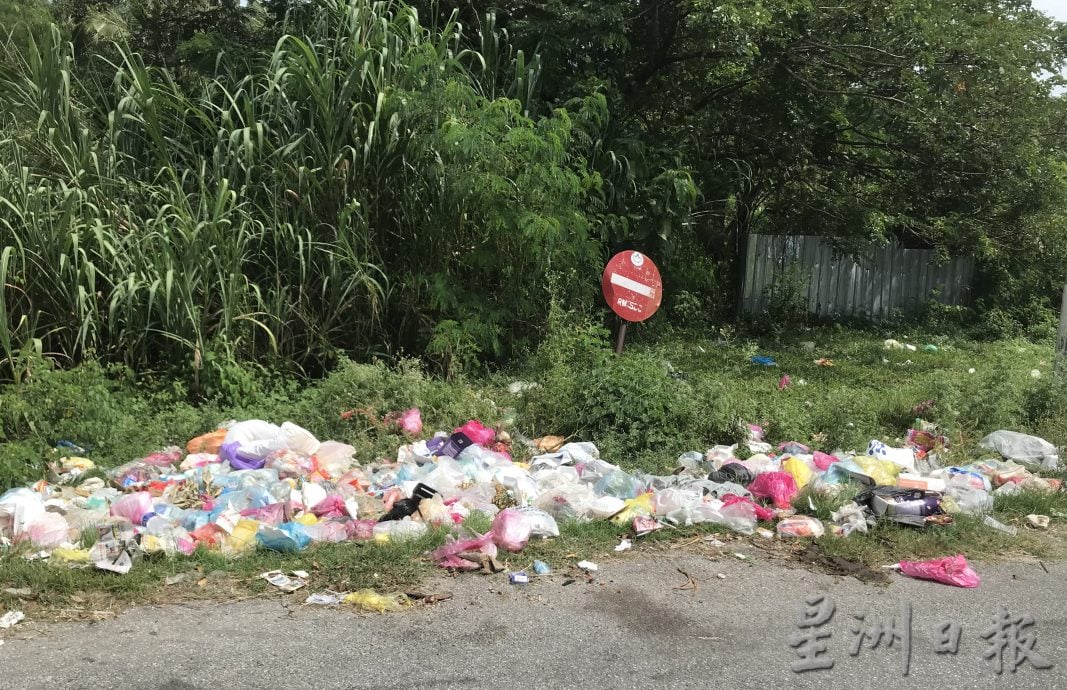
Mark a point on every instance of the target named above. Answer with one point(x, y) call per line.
point(185, 186)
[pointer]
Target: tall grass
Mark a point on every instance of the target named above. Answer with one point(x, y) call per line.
point(348, 194)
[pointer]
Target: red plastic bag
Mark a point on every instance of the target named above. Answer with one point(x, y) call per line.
point(762, 513)
point(823, 460)
point(411, 422)
point(477, 432)
point(511, 529)
point(780, 487)
point(950, 570)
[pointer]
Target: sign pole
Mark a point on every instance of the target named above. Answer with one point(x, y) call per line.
point(620, 340)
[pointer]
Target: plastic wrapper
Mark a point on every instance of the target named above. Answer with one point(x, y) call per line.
point(511, 530)
point(800, 526)
point(779, 487)
point(951, 570)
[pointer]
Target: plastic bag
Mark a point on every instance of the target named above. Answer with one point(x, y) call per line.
point(19, 508)
point(207, 443)
point(334, 459)
point(511, 529)
point(618, 484)
point(399, 530)
point(799, 470)
point(951, 570)
point(299, 439)
point(331, 506)
point(369, 600)
point(823, 460)
point(360, 530)
point(48, 531)
point(410, 422)
point(640, 506)
point(477, 432)
point(133, 506)
point(568, 502)
point(541, 523)
point(800, 526)
point(883, 472)
point(969, 500)
point(1021, 447)
point(903, 458)
point(780, 487)
point(288, 537)
point(669, 500)
point(447, 556)
point(760, 512)
point(242, 538)
point(850, 518)
point(433, 511)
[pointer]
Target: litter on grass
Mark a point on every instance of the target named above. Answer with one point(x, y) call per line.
point(256, 485)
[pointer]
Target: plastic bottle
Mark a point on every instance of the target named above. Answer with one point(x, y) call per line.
point(1000, 526)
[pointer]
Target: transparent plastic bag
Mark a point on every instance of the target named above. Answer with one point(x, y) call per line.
point(511, 529)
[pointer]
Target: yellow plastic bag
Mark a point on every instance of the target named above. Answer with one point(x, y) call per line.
point(242, 539)
point(641, 506)
point(883, 472)
point(70, 555)
point(306, 519)
point(799, 469)
point(369, 600)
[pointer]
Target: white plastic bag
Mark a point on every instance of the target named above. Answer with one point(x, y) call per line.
point(1021, 447)
point(299, 439)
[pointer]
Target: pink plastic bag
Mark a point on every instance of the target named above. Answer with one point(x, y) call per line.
point(411, 422)
point(331, 506)
point(951, 570)
point(133, 506)
point(360, 530)
point(477, 432)
point(780, 487)
point(273, 514)
point(762, 513)
point(823, 460)
point(447, 556)
point(48, 531)
point(511, 530)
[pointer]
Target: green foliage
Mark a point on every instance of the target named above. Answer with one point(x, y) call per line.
point(293, 210)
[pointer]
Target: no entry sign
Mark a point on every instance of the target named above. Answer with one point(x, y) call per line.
point(632, 286)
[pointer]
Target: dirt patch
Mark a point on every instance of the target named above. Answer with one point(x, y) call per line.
point(812, 556)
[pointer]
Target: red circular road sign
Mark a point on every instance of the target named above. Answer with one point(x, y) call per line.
point(632, 286)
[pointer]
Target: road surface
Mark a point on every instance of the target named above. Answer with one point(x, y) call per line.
point(632, 627)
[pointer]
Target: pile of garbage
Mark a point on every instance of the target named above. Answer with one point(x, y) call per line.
point(254, 484)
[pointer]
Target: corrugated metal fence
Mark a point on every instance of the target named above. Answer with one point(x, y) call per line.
point(874, 285)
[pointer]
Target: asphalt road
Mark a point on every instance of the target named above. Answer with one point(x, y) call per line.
point(630, 627)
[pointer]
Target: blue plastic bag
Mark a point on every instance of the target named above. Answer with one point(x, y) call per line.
point(288, 537)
